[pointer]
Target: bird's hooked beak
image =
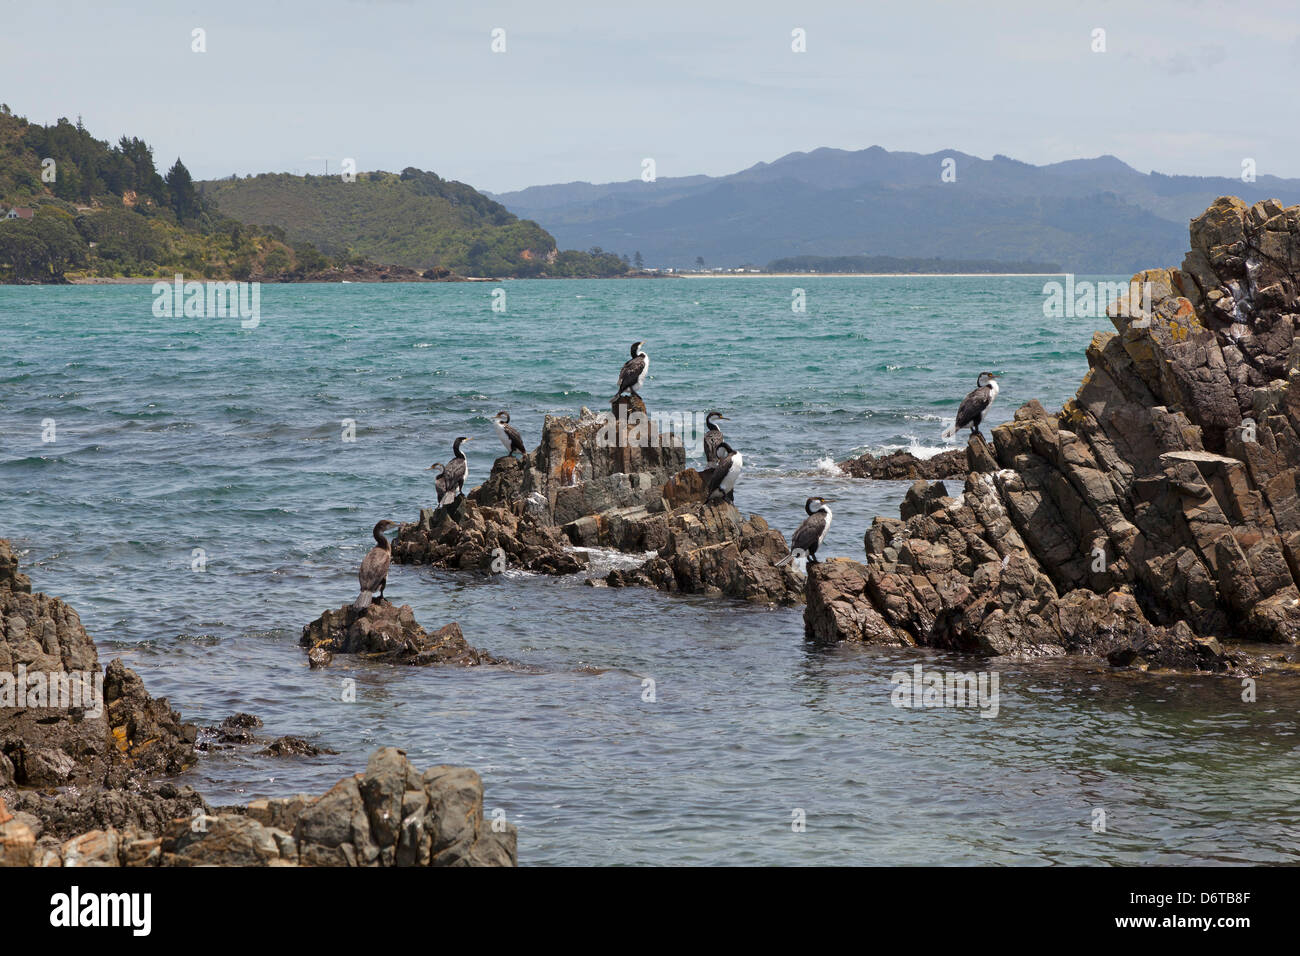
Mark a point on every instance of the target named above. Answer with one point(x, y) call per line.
point(827, 501)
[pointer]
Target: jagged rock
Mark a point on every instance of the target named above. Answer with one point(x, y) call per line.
point(904, 466)
point(10, 578)
point(711, 549)
point(392, 815)
point(469, 537)
point(389, 633)
point(586, 471)
point(113, 729)
point(291, 746)
point(1155, 519)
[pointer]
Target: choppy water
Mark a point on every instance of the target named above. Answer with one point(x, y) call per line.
point(175, 435)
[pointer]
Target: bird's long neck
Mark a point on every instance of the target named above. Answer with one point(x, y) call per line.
point(455, 450)
point(710, 424)
point(382, 541)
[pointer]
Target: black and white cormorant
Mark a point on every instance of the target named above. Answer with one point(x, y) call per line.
point(713, 436)
point(454, 473)
point(509, 436)
point(973, 407)
point(373, 574)
point(634, 370)
point(811, 533)
point(725, 472)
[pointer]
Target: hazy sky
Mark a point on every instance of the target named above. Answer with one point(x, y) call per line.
point(585, 91)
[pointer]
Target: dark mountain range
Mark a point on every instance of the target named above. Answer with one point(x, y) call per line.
point(1089, 215)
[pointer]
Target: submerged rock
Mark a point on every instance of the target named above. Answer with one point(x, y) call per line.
point(1154, 519)
point(904, 466)
point(291, 746)
point(392, 815)
point(387, 633)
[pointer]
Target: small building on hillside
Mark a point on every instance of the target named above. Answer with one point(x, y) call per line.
point(19, 212)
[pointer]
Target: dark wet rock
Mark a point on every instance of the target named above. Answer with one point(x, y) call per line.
point(1154, 520)
point(712, 549)
point(466, 536)
point(904, 466)
point(123, 732)
point(290, 746)
point(386, 632)
point(391, 815)
point(235, 730)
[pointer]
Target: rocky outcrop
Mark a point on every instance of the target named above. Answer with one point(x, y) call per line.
point(904, 466)
point(1155, 519)
point(470, 537)
point(710, 549)
point(385, 632)
point(392, 815)
point(63, 720)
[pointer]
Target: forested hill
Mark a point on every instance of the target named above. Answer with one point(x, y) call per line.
point(90, 209)
point(413, 218)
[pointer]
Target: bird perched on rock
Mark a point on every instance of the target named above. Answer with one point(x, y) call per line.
point(713, 436)
point(509, 436)
point(373, 573)
point(725, 473)
point(974, 406)
point(439, 482)
point(454, 473)
point(634, 371)
point(810, 535)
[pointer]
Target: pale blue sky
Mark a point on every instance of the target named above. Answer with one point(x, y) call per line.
point(584, 91)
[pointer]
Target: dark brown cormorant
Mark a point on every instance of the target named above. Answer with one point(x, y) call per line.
point(373, 574)
point(713, 436)
point(510, 437)
point(634, 370)
point(976, 403)
point(811, 533)
point(440, 482)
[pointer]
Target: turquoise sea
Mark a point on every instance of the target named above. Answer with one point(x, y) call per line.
point(177, 440)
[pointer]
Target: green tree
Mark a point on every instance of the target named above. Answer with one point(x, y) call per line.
point(184, 197)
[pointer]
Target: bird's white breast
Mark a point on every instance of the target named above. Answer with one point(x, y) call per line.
point(729, 479)
point(501, 433)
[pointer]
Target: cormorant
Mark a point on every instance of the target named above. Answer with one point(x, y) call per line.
point(634, 370)
point(510, 437)
point(725, 473)
point(713, 436)
point(373, 573)
point(811, 533)
point(440, 482)
point(975, 405)
point(454, 473)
